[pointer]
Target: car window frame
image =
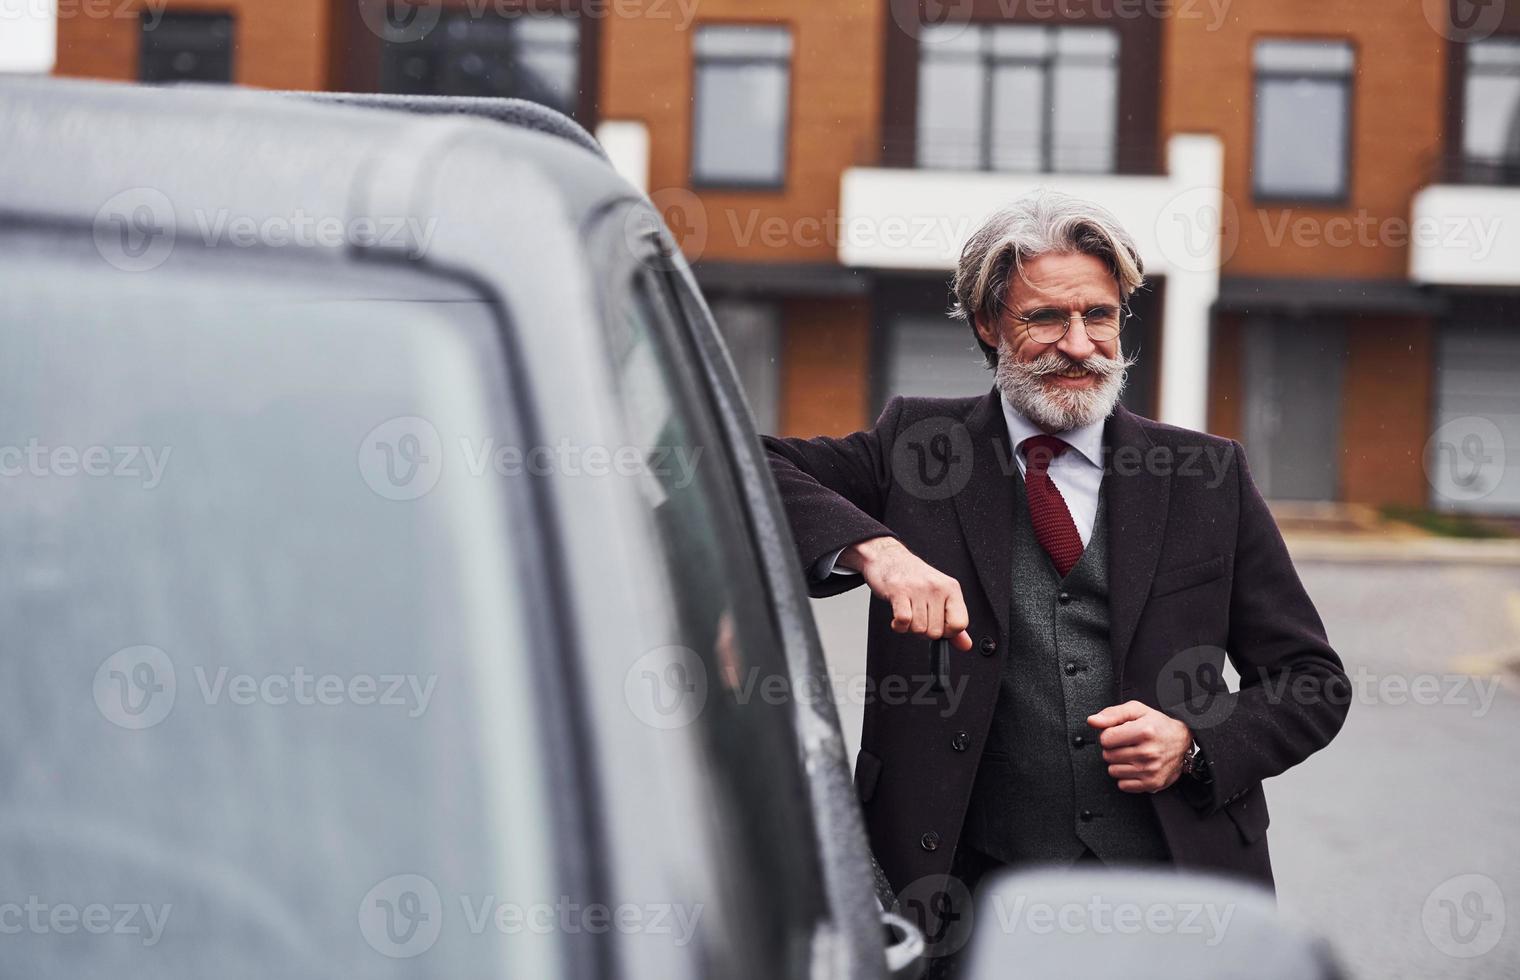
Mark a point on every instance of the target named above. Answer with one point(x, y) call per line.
point(853, 903)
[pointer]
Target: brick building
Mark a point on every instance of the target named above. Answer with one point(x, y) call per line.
point(1327, 194)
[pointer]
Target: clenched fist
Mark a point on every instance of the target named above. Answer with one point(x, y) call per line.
point(1142, 746)
point(924, 600)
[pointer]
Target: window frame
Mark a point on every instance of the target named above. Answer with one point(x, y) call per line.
point(1467, 169)
point(209, 17)
point(627, 262)
point(989, 61)
point(698, 61)
point(1347, 84)
point(358, 50)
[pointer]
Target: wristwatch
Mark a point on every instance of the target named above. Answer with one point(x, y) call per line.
point(1195, 763)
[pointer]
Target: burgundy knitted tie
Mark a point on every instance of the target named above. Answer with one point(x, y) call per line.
point(1053, 526)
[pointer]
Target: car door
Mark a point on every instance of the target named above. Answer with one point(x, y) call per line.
point(757, 562)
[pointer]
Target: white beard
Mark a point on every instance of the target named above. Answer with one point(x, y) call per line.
point(1060, 409)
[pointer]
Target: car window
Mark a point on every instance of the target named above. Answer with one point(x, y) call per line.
point(265, 703)
point(722, 617)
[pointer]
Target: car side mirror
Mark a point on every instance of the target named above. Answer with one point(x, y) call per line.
point(1140, 925)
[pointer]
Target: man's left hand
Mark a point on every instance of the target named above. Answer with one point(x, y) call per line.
point(1143, 747)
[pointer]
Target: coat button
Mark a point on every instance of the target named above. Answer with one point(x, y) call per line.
point(1072, 667)
point(929, 842)
point(989, 646)
point(1086, 816)
point(1064, 598)
point(1079, 740)
point(959, 741)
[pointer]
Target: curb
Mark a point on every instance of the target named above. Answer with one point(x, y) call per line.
point(1402, 550)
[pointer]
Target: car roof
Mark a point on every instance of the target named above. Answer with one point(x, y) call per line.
point(260, 151)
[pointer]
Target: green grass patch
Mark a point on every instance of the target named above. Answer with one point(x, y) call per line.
point(1445, 525)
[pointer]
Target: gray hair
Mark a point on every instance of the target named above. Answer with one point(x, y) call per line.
point(1043, 223)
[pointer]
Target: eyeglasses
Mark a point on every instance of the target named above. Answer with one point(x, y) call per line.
point(1048, 324)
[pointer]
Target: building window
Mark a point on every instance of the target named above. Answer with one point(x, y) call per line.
point(1303, 120)
point(1491, 120)
point(743, 89)
point(186, 47)
point(505, 54)
point(1018, 97)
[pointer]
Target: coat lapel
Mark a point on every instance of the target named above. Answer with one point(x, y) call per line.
point(1137, 502)
point(985, 505)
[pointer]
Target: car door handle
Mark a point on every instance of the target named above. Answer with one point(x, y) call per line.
point(939, 664)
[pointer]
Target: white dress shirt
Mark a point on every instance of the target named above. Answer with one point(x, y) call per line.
point(1077, 473)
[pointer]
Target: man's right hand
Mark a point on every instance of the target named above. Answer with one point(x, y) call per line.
point(924, 600)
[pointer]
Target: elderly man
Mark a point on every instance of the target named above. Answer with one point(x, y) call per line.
point(1089, 570)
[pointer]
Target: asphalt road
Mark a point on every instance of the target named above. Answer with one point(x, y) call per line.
point(1401, 842)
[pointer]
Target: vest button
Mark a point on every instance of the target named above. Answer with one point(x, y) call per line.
point(989, 646)
point(1072, 667)
point(1064, 598)
point(929, 842)
point(1079, 740)
point(959, 741)
point(1086, 816)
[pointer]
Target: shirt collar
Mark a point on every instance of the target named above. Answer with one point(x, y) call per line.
point(1086, 439)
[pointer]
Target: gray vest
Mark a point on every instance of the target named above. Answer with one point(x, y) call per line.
point(1043, 792)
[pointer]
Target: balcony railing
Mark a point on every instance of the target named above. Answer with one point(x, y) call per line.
point(1495, 171)
point(1005, 152)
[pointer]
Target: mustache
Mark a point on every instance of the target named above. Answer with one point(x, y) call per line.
point(1054, 362)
